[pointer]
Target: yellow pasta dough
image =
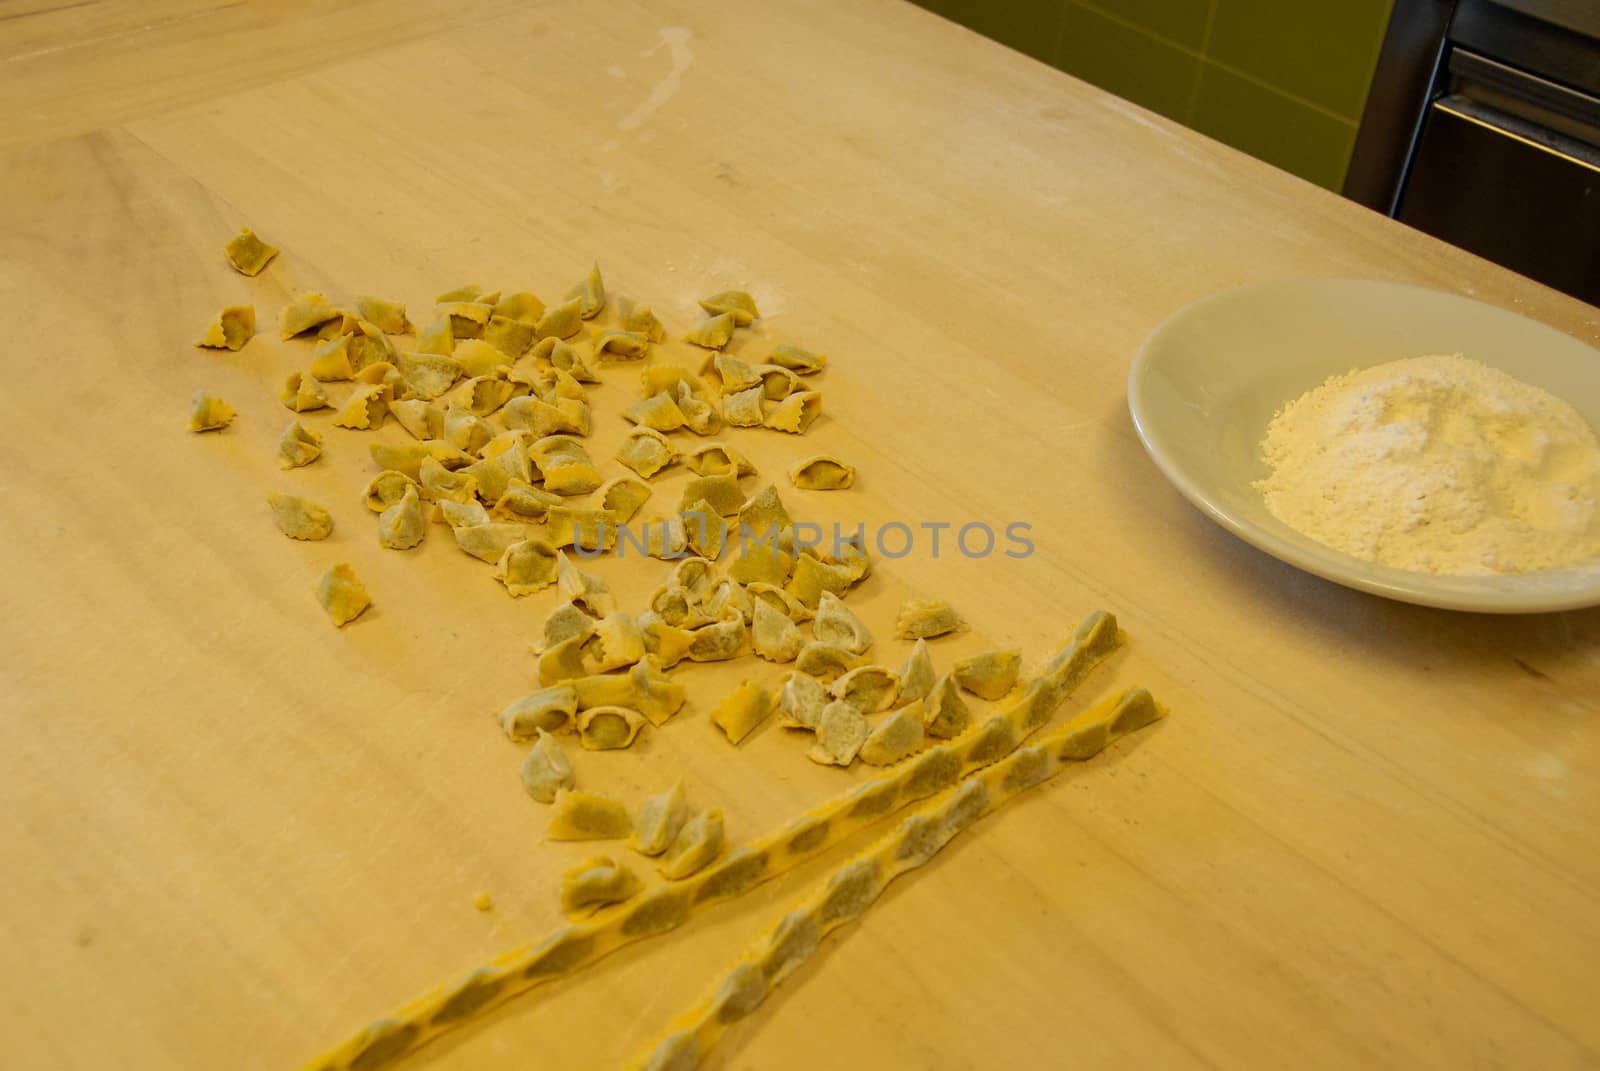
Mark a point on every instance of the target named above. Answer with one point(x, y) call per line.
point(659, 412)
point(812, 577)
point(467, 319)
point(440, 484)
point(721, 493)
point(545, 768)
point(764, 514)
point(300, 518)
point(510, 336)
point(917, 676)
point(824, 472)
point(714, 332)
point(428, 375)
point(743, 409)
point(564, 357)
point(467, 292)
point(207, 412)
point(699, 415)
point(330, 361)
point(387, 316)
point(620, 346)
point(989, 675)
point(773, 635)
point(777, 382)
point(230, 329)
point(588, 529)
point(342, 595)
point(825, 661)
point(247, 254)
point(522, 501)
point(402, 526)
point(595, 883)
point(867, 688)
point(734, 303)
point(583, 589)
point(608, 728)
point(660, 819)
point(588, 816)
point(622, 497)
point(705, 530)
point(306, 311)
point(489, 542)
point(697, 844)
point(746, 707)
point(520, 305)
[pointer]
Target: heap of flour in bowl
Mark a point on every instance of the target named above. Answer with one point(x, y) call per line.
point(1440, 465)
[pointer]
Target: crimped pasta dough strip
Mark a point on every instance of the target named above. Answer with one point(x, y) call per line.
point(856, 885)
point(581, 943)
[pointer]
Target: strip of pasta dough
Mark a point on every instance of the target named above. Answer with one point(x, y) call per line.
point(856, 885)
point(667, 907)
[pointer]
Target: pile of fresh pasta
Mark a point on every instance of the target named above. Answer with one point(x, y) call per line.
point(492, 393)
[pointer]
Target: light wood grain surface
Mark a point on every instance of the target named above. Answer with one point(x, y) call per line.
point(234, 834)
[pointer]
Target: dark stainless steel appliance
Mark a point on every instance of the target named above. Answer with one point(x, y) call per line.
point(1483, 128)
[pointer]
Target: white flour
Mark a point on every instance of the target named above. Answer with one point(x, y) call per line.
point(1439, 465)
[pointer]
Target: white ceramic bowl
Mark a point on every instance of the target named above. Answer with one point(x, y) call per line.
point(1205, 384)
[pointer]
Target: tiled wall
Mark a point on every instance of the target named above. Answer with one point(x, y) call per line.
point(1284, 80)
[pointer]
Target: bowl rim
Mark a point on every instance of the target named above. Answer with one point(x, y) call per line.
point(1509, 593)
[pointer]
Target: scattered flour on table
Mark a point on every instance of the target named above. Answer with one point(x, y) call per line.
point(1437, 464)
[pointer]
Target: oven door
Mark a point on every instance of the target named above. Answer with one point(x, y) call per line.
point(1508, 167)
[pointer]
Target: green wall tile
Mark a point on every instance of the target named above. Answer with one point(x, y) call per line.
point(1180, 21)
point(1322, 50)
point(1269, 125)
point(1030, 26)
point(1126, 62)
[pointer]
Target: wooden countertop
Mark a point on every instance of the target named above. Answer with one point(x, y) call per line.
point(234, 835)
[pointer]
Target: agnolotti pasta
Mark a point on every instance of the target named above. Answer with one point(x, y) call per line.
point(467, 319)
point(298, 445)
point(699, 415)
point(590, 294)
point(306, 311)
point(660, 412)
point(560, 321)
point(545, 769)
point(945, 713)
point(620, 346)
point(622, 497)
point(247, 254)
point(302, 393)
point(230, 329)
point(667, 644)
point(550, 710)
point(660, 819)
point(897, 737)
point(300, 518)
point(387, 488)
point(989, 675)
point(764, 513)
point(437, 339)
point(743, 410)
point(841, 730)
point(594, 883)
point(440, 484)
point(510, 336)
point(869, 689)
point(777, 382)
point(796, 413)
point(402, 525)
point(589, 529)
point(521, 501)
point(365, 408)
point(387, 316)
point(330, 360)
point(608, 728)
point(746, 707)
point(637, 317)
point(564, 357)
point(824, 661)
point(584, 590)
point(926, 618)
point(342, 595)
point(207, 412)
point(735, 303)
point(812, 577)
point(646, 451)
point(797, 360)
point(697, 844)
point(428, 375)
point(588, 816)
point(732, 374)
point(718, 459)
point(917, 676)
point(836, 624)
point(489, 542)
point(824, 472)
point(780, 600)
point(801, 701)
point(520, 305)
point(714, 332)
point(527, 567)
point(462, 514)
point(564, 465)
point(705, 529)
point(721, 493)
